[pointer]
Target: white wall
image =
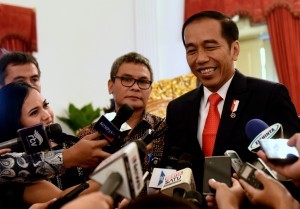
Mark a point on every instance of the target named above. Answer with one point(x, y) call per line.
point(78, 40)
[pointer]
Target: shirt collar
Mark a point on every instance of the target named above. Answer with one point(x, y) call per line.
point(222, 91)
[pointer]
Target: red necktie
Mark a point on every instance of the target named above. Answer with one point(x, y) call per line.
point(211, 125)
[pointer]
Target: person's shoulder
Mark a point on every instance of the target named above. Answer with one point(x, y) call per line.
point(254, 82)
point(153, 119)
point(189, 96)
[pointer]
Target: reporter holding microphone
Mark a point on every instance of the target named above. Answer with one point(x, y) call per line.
point(21, 106)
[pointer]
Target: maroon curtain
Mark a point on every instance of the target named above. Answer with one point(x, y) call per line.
point(255, 9)
point(18, 28)
point(282, 18)
point(285, 42)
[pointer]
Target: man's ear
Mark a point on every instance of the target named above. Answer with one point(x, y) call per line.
point(235, 50)
point(110, 85)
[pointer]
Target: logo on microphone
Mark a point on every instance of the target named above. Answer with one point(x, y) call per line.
point(161, 178)
point(268, 133)
point(36, 139)
point(107, 129)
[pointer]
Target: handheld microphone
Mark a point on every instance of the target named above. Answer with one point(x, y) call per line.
point(69, 196)
point(33, 139)
point(178, 183)
point(169, 167)
point(257, 130)
point(126, 163)
point(110, 129)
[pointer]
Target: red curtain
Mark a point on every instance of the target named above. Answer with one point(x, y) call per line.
point(18, 28)
point(255, 9)
point(282, 18)
point(285, 42)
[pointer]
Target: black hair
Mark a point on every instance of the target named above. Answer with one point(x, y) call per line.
point(15, 58)
point(131, 57)
point(230, 31)
point(12, 98)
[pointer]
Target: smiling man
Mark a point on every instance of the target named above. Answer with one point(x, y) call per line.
point(202, 128)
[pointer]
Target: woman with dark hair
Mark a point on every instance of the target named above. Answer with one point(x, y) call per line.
point(22, 106)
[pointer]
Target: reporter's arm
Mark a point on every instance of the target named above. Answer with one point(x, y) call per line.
point(95, 200)
point(86, 153)
point(291, 171)
point(3, 151)
point(42, 205)
point(41, 191)
point(38, 166)
point(273, 195)
point(226, 198)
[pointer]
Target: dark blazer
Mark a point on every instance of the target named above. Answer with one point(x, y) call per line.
point(258, 98)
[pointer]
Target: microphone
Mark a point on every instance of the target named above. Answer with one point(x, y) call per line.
point(170, 165)
point(33, 139)
point(178, 183)
point(121, 173)
point(184, 161)
point(257, 130)
point(110, 129)
point(69, 196)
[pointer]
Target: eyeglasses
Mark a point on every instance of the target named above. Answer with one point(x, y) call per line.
point(128, 81)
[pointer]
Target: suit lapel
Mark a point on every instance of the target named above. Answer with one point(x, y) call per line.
point(237, 91)
point(192, 105)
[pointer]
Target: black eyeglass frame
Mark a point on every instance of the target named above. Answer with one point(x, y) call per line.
point(138, 81)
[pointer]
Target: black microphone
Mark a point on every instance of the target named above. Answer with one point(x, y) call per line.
point(33, 139)
point(184, 161)
point(69, 196)
point(110, 129)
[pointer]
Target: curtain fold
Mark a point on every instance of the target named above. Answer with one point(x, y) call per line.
point(256, 10)
point(18, 28)
point(285, 42)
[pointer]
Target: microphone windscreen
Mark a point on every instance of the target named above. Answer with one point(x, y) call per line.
point(254, 127)
point(53, 130)
point(123, 114)
point(184, 161)
point(172, 158)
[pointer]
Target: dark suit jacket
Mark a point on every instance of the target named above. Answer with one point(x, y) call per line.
point(258, 98)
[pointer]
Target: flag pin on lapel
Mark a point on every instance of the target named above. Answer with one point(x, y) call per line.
point(234, 106)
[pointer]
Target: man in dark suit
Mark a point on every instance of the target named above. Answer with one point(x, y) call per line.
point(211, 42)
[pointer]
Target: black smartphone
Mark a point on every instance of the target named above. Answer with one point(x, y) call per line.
point(278, 152)
point(218, 168)
point(247, 173)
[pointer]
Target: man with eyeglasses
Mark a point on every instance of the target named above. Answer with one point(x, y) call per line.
point(130, 83)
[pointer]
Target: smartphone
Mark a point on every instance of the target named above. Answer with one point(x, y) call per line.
point(278, 152)
point(247, 173)
point(218, 168)
point(236, 162)
point(261, 165)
